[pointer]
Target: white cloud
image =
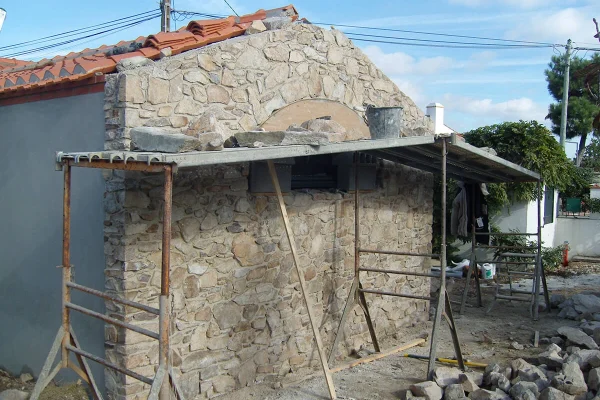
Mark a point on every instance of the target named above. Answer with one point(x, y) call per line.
point(510, 110)
point(399, 63)
point(556, 26)
point(412, 90)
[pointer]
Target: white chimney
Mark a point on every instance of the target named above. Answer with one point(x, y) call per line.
point(435, 111)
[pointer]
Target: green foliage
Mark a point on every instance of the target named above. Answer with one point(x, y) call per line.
point(591, 156)
point(582, 103)
point(530, 145)
point(552, 257)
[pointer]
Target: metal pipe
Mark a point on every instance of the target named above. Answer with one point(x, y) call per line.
point(107, 296)
point(398, 253)
point(109, 364)
point(408, 296)
point(66, 264)
point(164, 320)
point(441, 298)
point(505, 234)
point(112, 321)
point(483, 246)
point(538, 269)
point(507, 262)
point(516, 298)
point(385, 271)
point(356, 219)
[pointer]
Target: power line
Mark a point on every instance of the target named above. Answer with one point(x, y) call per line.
point(111, 30)
point(447, 46)
point(432, 33)
point(73, 32)
point(226, 2)
point(485, 45)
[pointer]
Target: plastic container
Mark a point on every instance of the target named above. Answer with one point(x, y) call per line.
point(489, 271)
point(384, 122)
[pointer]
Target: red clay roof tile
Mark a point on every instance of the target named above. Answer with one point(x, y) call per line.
point(29, 76)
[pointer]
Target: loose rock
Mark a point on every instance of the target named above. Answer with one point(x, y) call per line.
point(524, 391)
point(159, 140)
point(454, 392)
point(429, 390)
point(482, 394)
point(570, 380)
point(577, 336)
point(593, 380)
point(551, 393)
point(14, 394)
point(468, 383)
point(445, 376)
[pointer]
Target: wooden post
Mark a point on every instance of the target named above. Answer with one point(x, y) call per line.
point(309, 307)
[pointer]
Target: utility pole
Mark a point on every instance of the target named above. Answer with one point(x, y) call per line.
point(565, 99)
point(165, 18)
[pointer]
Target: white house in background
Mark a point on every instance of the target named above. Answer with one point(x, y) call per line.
point(435, 111)
point(521, 216)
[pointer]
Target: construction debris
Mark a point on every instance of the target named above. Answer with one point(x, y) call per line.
point(573, 373)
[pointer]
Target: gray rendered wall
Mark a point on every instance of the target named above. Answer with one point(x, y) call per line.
point(31, 232)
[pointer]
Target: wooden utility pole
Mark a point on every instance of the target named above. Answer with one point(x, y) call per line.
point(565, 99)
point(165, 18)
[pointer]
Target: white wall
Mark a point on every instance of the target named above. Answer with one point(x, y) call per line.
point(583, 235)
point(524, 217)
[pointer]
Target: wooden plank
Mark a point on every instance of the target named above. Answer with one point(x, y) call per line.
point(377, 356)
point(309, 306)
point(86, 368)
point(350, 303)
point(536, 339)
point(158, 382)
point(45, 374)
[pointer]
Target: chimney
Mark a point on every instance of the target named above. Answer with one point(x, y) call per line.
point(435, 111)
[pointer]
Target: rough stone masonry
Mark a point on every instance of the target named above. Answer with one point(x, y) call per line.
point(238, 314)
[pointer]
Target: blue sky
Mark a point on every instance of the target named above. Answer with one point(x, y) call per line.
point(477, 86)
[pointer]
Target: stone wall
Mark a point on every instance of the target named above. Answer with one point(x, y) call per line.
point(244, 80)
point(238, 314)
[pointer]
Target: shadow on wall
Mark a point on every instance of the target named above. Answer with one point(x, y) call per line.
point(30, 243)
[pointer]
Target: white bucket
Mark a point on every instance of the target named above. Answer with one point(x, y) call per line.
point(489, 270)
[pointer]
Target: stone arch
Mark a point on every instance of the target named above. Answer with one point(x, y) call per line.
point(303, 110)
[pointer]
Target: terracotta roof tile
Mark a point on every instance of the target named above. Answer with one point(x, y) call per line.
point(29, 76)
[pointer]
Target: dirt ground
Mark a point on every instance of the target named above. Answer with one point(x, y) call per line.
point(484, 338)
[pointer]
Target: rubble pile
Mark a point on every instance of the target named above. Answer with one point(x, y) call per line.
point(568, 369)
point(579, 306)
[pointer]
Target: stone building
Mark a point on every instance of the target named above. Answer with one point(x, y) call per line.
point(238, 315)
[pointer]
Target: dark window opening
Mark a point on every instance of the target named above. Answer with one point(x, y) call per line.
point(314, 172)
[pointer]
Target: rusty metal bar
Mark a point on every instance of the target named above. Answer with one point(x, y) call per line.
point(108, 364)
point(362, 301)
point(164, 317)
point(517, 273)
point(112, 321)
point(385, 271)
point(441, 304)
point(503, 297)
point(66, 264)
point(484, 246)
point(538, 265)
point(131, 165)
point(507, 262)
point(398, 253)
point(107, 296)
point(408, 296)
point(504, 234)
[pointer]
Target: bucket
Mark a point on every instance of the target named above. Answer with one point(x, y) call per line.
point(384, 122)
point(489, 270)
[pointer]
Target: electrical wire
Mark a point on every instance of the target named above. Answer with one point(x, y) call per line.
point(226, 2)
point(432, 33)
point(73, 32)
point(495, 45)
point(54, 45)
point(447, 46)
